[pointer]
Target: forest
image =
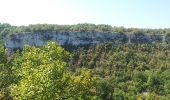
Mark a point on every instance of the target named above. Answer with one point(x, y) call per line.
point(97, 72)
point(6, 28)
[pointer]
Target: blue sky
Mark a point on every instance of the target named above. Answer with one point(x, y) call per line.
point(127, 13)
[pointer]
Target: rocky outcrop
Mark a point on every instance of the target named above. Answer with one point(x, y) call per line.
point(17, 41)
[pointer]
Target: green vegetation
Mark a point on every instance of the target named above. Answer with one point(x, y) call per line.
point(128, 71)
point(6, 29)
point(101, 72)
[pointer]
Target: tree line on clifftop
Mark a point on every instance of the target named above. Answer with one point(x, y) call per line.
point(6, 29)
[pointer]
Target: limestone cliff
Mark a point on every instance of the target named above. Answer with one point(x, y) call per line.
point(17, 41)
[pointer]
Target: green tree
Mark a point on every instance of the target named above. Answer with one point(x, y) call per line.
point(42, 73)
point(5, 75)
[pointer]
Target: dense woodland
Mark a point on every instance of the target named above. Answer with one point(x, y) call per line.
point(98, 72)
point(6, 29)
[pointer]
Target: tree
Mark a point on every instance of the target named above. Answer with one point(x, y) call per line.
point(5, 75)
point(42, 73)
point(83, 86)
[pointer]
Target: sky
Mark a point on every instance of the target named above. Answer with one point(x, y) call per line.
point(127, 13)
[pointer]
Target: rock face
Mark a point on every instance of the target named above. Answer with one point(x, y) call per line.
point(17, 41)
point(65, 38)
